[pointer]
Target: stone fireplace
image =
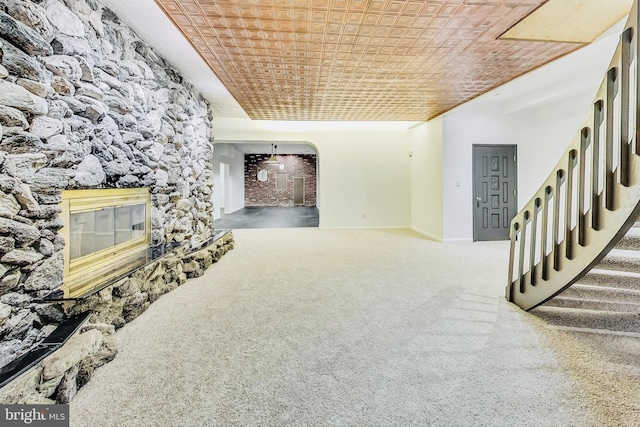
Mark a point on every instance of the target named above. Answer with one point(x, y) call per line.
point(104, 154)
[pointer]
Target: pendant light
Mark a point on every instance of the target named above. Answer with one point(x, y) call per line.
point(272, 160)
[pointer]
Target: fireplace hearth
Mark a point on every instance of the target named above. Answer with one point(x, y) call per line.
point(102, 308)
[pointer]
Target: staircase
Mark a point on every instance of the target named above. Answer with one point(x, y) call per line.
point(607, 299)
point(588, 204)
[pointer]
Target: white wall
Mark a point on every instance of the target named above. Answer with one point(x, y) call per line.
point(364, 169)
point(236, 183)
point(552, 131)
point(539, 112)
point(462, 129)
point(427, 207)
point(226, 153)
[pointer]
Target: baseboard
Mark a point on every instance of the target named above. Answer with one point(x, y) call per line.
point(371, 227)
point(426, 234)
point(458, 240)
point(235, 210)
point(396, 227)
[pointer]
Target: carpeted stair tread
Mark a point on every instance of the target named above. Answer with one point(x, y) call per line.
point(621, 260)
point(607, 298)
point(590, 319)
point(631, 240)
point(604, 293)
point(594, 304)
point(612, 279)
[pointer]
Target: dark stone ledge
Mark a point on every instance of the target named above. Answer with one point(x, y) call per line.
point(53, 342)
point(145, 258)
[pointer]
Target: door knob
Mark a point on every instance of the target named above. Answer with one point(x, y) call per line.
point(478, 200)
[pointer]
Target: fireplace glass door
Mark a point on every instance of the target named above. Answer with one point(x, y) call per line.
point(107, 229)
point(130, 221)
point(101, 229)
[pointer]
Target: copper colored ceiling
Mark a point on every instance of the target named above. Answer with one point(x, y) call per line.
point(359, 59)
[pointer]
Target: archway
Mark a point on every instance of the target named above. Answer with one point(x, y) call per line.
point(265, 184)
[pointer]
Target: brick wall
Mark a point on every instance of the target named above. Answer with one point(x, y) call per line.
point(259, 193)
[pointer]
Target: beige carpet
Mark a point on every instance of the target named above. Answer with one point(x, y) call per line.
point(309, 327)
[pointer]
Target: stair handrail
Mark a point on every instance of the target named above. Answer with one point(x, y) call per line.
point(592, 196)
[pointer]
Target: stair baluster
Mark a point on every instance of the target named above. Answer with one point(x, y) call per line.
point(591, 198)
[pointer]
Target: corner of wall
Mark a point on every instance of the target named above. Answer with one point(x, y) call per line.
point(427, 200)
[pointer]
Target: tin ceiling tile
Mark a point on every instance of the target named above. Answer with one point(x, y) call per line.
point(359, 59)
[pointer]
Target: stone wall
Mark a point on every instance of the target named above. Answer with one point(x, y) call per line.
point(264, 193)
point(84, 103)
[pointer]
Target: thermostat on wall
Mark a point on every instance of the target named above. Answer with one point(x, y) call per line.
point(262, 175)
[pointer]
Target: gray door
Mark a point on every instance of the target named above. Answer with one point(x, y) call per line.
point(494, 191)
